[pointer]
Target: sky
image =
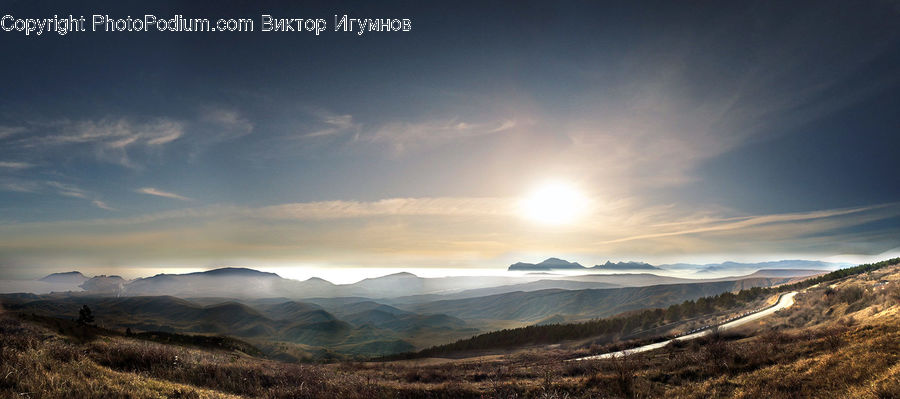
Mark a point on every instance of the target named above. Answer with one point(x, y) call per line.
point(679, 132)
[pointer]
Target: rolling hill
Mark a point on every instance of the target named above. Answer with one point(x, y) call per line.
point(533, 306)
point(360, 327)
point(838, 340)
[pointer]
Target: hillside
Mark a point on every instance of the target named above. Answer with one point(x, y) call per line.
point(838, 340)
point(361, 329)
point(358, 326)
point(533, 306)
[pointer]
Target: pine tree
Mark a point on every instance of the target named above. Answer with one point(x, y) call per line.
point(85, 316)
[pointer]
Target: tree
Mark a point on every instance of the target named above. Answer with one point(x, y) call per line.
point(673, 313)
point(85, 316)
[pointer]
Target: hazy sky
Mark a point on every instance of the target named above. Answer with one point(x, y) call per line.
point(694, 131)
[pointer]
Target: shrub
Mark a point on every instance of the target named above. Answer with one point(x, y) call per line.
point(851, 294)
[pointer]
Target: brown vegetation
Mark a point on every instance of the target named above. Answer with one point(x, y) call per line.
point(840, 340)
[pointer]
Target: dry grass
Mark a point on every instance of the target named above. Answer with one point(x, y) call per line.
point(842, 340)
point(36, 364)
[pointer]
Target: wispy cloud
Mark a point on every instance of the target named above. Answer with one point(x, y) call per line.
point(15, 165)
point(402, 136)
point(390, 207)
point(54, 187)
point(69, 190)
point(102, 205)
point(125, 141)
point(111, 140)
point(333, 125)
point(161, 193)
point(9, 131)
point(116, 133)
point(228, 124)
point(473, 230)
point(738, 223)
point(19, 186)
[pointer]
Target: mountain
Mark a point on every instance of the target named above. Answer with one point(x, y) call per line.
point(807, 350)
point(736, 268)
point(243, 283)
point(234, 272)
point(228, 282)
point(291, 310)
point(391, 283)
point(579, 282)
point(65, 278)
point(110, 285)
point(405, 321)
point(365, 327)
point(407, 284)
point(626, 266)
point(786, 273)
point(549, 264)
point(534, 306)
point(248, 283)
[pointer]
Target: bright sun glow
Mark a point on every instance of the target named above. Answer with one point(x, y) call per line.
point(554, 203)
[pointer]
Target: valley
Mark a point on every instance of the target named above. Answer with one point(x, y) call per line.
point(843, 327)
point(315, 320)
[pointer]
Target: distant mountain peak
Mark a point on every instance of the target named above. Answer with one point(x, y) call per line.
point(401, 274)
point(66, 277)
point(558, 261)
point(548, 264)
point(235, 271)
point(104, 284)
point(318, 280)
point(609, 265)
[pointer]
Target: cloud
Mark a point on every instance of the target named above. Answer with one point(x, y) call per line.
point(402, 136)
point(441, 231)
point(111, 140)
point(55, 187)
point(214, 126)
point(334, 124)
point(737, 223)
point(161, 193)
point(389, 207)
point(226, 125)
point(102, 205)
point(124, 141)
point(171, 136)
point(9, 131)
point(19, 186)
point(654, 116)
point(69, 190)
point(116, 133)
point(15, 165)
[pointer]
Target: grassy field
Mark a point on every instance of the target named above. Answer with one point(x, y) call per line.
point(841, 339)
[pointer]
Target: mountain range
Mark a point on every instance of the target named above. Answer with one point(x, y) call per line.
point(314, 318)
point(548, 264)
point(407, 287)
point(560, 264)
point(358, 325)
point(551, 264)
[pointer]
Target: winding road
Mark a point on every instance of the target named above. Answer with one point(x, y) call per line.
point(784, 301)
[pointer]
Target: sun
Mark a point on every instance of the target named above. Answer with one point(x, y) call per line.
point(554, 203)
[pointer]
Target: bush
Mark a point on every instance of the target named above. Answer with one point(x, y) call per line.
point(851, 294)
